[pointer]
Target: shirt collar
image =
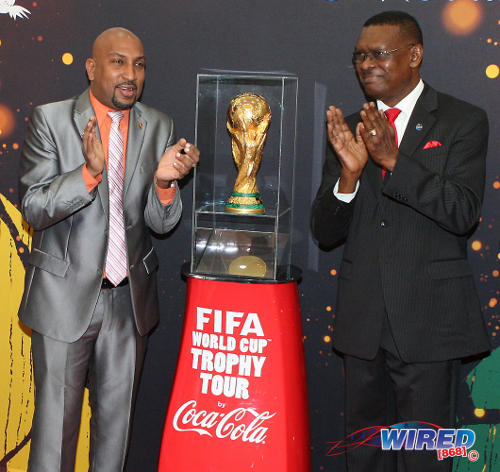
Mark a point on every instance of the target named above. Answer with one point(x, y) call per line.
point(101, 111)
point(408, 103)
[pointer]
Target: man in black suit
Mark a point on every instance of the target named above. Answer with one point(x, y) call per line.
point(403, 189)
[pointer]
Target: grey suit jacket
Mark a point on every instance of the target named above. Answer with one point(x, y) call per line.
point(406, 238)
point(66, 263)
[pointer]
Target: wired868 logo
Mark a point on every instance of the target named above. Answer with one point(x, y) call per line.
point(412, 436)
point(446, 442)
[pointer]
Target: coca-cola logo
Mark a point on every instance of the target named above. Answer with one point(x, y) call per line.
point(245, 424)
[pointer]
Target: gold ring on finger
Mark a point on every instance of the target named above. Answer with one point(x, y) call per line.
point(373, 132)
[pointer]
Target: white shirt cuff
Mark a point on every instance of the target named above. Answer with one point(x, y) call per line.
point(345, 197)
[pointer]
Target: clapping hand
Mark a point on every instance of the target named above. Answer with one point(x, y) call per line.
point(93, 151)
point(350, 149)
point(378, 136)
point(176, 162)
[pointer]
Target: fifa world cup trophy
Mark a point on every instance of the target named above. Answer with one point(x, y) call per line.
point(248, 120)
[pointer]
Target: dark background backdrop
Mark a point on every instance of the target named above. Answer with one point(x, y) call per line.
point(312, 38)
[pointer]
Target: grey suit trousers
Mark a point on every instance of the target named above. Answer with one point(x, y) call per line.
point(108, 359)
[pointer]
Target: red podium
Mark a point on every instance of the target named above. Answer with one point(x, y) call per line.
point(239, 400)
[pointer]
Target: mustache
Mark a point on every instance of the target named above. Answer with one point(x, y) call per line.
point(128, 83)
point(369, 73)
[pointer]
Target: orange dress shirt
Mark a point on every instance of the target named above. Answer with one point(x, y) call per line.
point(166, 195)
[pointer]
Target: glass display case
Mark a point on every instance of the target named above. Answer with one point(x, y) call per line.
point(249, 238)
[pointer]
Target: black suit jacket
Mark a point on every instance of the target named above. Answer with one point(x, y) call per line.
point(406, 238)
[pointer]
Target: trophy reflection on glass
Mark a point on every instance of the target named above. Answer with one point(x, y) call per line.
point(248, 120)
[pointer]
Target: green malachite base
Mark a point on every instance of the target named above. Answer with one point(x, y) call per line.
point(245, 203)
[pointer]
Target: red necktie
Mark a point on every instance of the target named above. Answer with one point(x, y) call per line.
point(392, 114)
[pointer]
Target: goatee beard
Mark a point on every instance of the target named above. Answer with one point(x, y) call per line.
point(122, 106)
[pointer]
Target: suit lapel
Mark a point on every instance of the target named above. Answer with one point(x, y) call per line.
point(421, 121)
point(136, 132)
point(82, 113)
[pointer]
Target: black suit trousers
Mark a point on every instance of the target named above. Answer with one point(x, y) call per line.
point(384, 391)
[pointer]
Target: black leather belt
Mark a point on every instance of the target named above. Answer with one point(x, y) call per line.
point(107, 284)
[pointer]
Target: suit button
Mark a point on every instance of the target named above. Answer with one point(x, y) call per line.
point(383, 224)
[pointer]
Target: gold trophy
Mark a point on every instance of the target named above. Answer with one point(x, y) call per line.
point(248, 119)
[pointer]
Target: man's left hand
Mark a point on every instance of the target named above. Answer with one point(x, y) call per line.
point(176, 162)
point(378, 136)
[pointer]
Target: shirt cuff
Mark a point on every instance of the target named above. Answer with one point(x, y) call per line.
point(166, 195)
point(345, 197)
point(90, 181)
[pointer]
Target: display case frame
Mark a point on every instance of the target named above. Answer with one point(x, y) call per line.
point(254, 246)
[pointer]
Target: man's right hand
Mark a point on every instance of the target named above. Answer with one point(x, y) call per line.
point(350, 149)
point(92, 149)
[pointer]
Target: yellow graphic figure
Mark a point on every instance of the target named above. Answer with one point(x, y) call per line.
point(16, 374)
point(248, 119)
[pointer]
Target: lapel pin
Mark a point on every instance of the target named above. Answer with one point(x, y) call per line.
point(139, 123)
point(419, 127)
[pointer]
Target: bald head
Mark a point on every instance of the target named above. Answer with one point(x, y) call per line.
point(116, 33)
point(116, 69)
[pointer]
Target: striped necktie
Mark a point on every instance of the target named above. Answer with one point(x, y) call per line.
point(392, 114)
point(116, 258)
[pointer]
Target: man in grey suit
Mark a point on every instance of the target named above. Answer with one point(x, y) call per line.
point(403, 189)
point(98, 172)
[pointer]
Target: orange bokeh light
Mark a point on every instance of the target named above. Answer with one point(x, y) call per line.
point(476, 245)
point(496, 184)
point(462, 17)
point(492, 71)
point(493, 302)
point(67, 58)
point(7, 121)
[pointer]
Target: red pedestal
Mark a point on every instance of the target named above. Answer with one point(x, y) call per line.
point(239, 401)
